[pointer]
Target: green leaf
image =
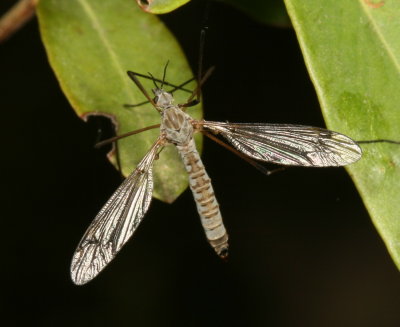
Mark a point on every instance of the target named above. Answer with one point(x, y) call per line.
point(91, 44)
point(160, 6)
point(352, 51)
point(264, 11)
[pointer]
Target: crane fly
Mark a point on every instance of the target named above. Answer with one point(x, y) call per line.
point(284, 144)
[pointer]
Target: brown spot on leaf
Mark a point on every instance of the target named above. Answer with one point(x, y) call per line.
point(374, 4)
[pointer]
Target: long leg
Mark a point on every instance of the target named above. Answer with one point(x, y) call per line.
point(141, 88)
point(175, 88)
point(195, 97)
point(189, 103)
point(99, 136)
point(116, 138)
point(195, 93)
point(378, 141)
point(200, 79)
point(200, 64)
point(192, 102)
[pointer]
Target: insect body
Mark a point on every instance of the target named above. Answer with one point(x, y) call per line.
point(178, 129)
point(294, 145)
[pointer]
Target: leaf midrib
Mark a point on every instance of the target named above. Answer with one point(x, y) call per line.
point(114, 58)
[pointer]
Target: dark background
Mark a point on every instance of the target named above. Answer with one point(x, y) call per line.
point(303, 251)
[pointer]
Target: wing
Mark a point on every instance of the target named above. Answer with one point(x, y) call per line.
point(293, 145)
point(116, 221)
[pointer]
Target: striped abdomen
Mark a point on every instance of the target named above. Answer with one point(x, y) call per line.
point(206, 203)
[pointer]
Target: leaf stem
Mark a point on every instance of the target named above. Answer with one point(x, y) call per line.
point(16, 17)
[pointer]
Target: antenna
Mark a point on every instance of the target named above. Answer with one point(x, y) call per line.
point(164, 74)
point(154, 80)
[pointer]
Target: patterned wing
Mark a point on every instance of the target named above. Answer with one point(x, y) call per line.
point(116, 221)
point(293, 145)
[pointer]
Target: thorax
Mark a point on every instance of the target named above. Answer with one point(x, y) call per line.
point(176, 125)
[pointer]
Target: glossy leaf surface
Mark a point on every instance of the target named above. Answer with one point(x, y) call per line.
point(90, 45)
point(352, 51)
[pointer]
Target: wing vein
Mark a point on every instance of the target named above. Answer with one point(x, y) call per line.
point(116, 221)
point(293, 145)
